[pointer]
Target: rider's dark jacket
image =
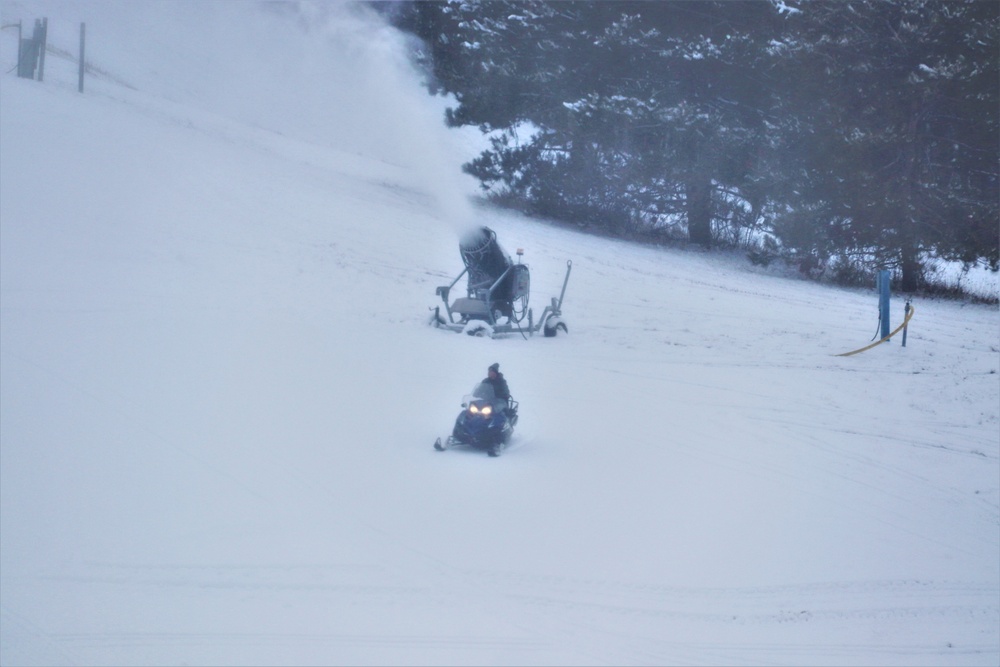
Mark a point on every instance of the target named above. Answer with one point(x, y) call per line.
point(500, 388)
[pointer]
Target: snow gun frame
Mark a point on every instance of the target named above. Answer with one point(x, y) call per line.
point(497, 294)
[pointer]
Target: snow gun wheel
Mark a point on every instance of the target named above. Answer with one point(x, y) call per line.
point(552, 327)
point(478, 329)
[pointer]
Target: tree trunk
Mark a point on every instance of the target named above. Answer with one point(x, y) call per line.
point(911, 270)
point(699, 212)
point(909, 260)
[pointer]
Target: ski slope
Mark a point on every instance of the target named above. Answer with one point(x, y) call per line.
point(219, 394)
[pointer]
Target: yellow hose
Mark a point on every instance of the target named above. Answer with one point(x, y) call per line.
point(906, 321)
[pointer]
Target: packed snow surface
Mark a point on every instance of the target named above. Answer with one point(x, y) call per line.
point(219, 394)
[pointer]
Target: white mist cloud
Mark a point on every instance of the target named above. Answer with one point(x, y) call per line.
point(353, 83)
point(327, 73)
point(391, 107)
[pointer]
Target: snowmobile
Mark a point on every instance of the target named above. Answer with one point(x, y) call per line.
point(485, 422)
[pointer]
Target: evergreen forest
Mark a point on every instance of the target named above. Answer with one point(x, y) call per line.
point(840, 136)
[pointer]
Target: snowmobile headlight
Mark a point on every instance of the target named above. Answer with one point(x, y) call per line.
point(487, 410)
point(474, 409)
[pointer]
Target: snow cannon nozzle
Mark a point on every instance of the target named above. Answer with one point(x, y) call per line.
point(483, 257)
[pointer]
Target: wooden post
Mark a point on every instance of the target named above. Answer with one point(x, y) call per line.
point(27, 59)
point(41, 47)
point(20, 48)
point(83, 44)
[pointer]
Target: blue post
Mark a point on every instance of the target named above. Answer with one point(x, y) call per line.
point(883, 301)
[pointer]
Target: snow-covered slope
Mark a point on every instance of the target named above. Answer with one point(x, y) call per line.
point(218, 395)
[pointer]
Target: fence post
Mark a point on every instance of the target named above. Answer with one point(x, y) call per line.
point(19, 46)
point(83, 43)
point(27, 55)
point(31, 52)
point(44, 40)
point(883, 301)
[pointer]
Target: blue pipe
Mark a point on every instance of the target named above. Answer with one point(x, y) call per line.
point(883, 301)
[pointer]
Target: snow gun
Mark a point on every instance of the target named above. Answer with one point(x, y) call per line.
point(496, 300)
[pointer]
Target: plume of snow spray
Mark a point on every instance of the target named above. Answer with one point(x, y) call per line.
point(384, 105)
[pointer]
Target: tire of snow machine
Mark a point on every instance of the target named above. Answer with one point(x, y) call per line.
point(552, 327)
point(479, 330)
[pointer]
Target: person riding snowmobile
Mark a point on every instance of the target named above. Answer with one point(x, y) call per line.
point(488, 416)
point(500, 388)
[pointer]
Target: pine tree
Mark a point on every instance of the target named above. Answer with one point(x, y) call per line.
point(892, 140)
point(860, 128)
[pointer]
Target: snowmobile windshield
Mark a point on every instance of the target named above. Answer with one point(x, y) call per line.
point(484, 390)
